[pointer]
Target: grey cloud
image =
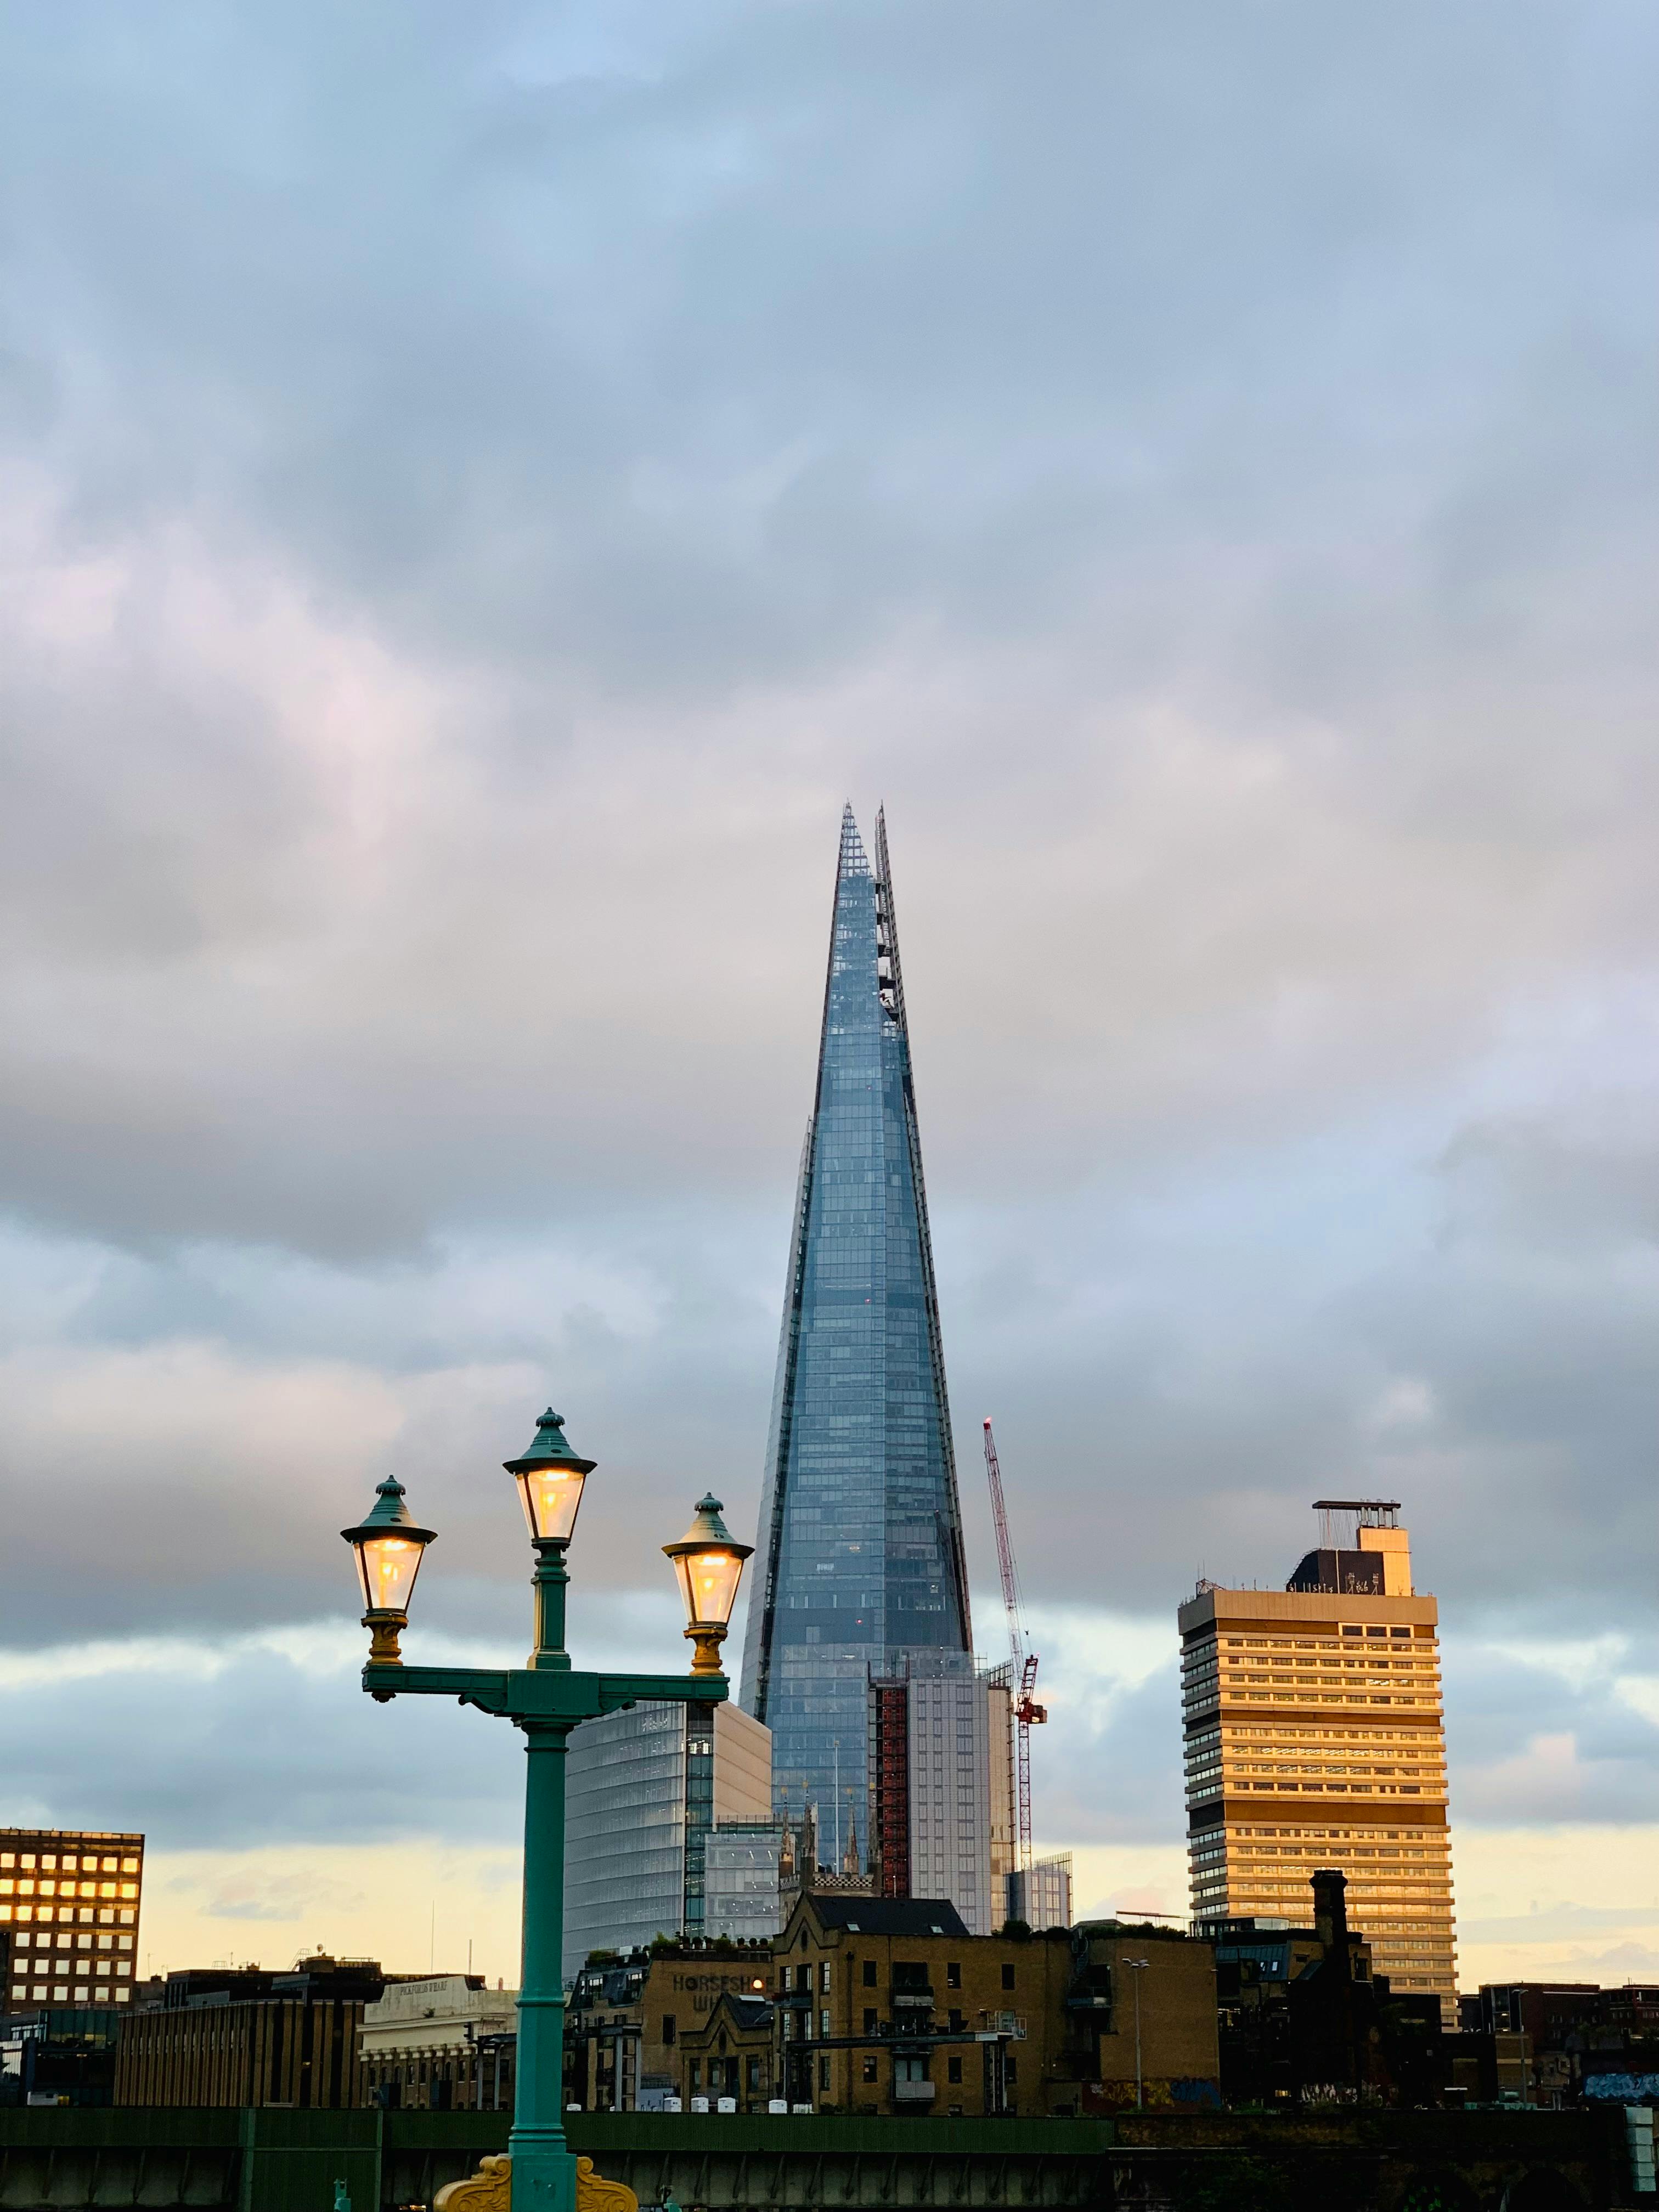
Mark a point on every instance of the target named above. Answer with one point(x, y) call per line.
point(677, 347)
point(1195, 1363)
point(1529, 1746)
point(1108, 1771)
point(235, 1744)
point(263, 1752)
point(1184, 457)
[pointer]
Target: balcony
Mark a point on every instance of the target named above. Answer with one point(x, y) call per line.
point(913, 2093)
point(912, 2001)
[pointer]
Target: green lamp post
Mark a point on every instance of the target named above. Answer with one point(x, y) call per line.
point(546, 1697)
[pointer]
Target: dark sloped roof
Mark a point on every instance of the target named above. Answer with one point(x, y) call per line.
point(888, 1916)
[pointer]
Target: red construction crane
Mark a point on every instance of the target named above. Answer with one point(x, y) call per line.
point(1022, 1679)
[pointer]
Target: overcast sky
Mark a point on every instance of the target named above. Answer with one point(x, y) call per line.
point(481, 487)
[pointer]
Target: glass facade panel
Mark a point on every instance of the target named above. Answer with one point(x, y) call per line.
point(859, 1549)
point(625, 1831)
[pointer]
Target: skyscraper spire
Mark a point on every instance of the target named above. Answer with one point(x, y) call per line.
point(859, 1548)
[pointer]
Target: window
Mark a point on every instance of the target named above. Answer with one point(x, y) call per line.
point(824, 2023)
point(824, 1977)
point(953, 1973)
point(754, 2077)
point(953, 2069)
point(869, 2020)
point(1008, 1977)
point(669, 2026)
point(824, 2072)
point(1008, 2073)
point(957, 2021)
point(869, 1973)
point(803, 1978)
point(869, 2068)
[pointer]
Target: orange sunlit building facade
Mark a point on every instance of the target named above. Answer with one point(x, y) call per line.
point(1315, 1738)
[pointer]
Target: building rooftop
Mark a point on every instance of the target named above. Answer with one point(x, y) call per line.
point(887, 1916)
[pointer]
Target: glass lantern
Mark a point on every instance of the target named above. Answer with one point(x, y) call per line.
point(549, 1477)
point(388, 1548)
point(709, 1565)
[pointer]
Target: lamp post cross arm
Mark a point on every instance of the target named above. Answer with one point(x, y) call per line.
point(523, 1694)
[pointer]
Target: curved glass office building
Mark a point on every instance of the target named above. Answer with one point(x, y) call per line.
point(859, 1554)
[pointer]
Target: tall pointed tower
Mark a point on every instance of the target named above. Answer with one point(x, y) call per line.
point(860, 1551)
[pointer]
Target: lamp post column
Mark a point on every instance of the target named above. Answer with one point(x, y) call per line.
point(549, 1585)
point(1137, 1967)
point(543, 2171)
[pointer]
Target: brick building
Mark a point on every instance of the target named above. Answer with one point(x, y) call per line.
point(728, 2060)
point(627, 2016)
point(884, 2005)
point(251, 2037)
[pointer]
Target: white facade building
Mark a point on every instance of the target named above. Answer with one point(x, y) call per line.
point(436, 2014)
point(743, 1894)
point(1043, 1899)
point(644, 1789)
point(942, 1797)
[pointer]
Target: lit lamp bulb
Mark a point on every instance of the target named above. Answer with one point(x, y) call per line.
point(388, 1548)
point(708, 1566)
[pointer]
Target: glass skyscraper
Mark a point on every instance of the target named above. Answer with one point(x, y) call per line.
point(859, 1554)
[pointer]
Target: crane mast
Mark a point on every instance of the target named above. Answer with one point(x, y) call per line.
point(1024, 1666)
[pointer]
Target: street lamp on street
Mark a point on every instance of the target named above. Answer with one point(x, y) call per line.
point(1137, 1967)
point(546, 1698)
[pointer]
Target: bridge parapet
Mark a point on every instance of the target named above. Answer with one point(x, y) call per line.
point(279, 2161)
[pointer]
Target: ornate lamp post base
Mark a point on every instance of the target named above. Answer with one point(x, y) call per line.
point(491, 2190)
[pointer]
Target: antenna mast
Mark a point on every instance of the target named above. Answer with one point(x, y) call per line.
point(1027, 1712)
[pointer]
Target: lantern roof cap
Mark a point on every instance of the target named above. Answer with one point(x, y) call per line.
point(708, 1528)
point(549, 1447)
point(389, 1515)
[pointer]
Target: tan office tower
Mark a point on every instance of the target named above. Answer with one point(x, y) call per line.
point(1314, 1739)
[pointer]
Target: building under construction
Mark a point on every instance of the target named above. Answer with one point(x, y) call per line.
point(941, 1786)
